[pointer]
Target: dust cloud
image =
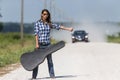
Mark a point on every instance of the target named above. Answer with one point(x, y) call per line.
point(97, 32)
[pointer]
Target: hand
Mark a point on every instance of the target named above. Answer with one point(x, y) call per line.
point(37, 46)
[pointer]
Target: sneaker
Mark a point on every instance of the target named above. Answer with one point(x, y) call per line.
point(33, 79)
point(52, 77)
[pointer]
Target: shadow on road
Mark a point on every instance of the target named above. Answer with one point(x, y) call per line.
point(65, 76)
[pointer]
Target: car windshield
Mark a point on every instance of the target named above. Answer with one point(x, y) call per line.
point(79, 32)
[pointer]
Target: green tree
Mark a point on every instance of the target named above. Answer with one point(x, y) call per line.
point(1, 26)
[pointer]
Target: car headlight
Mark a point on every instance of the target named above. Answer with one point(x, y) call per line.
point(86, 36)
point(73, 37)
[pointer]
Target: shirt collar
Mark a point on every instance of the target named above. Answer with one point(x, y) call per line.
point(42, 21)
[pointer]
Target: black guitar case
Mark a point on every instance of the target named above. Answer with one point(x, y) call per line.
point(30, 60)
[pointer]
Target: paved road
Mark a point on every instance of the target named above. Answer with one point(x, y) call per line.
point(79, 61)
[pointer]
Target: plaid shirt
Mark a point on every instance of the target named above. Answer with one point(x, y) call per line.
point(43, 31)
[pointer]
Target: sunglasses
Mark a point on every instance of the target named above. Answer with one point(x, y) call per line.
point(45, 14)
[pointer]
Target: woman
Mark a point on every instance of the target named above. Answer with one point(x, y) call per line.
point(42, 36)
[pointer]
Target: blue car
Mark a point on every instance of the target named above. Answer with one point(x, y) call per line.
point(79, 35)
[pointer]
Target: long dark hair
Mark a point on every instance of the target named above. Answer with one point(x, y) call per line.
point(49, 16)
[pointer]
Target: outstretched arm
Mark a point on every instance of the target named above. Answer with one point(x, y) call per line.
point(66, 28)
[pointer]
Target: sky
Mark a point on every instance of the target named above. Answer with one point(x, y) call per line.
point(62, 10)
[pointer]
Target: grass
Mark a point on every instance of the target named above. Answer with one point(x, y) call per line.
point(11, 48)
point(114, 39)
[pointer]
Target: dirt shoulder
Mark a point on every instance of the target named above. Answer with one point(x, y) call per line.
point(8, 68)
